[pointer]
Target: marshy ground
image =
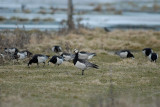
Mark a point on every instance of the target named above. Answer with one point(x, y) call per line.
point(117, 82)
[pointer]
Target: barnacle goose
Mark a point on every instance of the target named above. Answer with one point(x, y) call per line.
point(56, 60)
point(38, 58)
point(27, 53)
point(125, 54)
point(147, 51)
point(22, 54)
point(68, 56)
point(81, 63)
point(85, 55)
point(153, 57)
point(56, 49)
point(11, 50)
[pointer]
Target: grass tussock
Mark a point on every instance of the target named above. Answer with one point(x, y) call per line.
point(2, 18)
point(117, 83)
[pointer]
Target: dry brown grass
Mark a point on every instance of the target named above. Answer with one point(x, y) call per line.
point(118, 82)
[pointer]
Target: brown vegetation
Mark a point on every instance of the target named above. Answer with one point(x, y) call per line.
point(113, 85)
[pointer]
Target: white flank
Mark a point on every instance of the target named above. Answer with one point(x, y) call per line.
point(41, 59)
point(90, 56)
point(82, 56)
point(150, 57)
point(80, 65)
point(11, 50)
point(25, 53)
point(123, 54)
point(21, 55)
point(59, 61)
point(67, 58)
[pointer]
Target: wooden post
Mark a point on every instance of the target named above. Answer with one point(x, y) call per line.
point(70, 22)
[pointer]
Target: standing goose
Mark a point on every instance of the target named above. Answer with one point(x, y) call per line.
point(85, 55)
point(147, 51)
point(81, 63)
point(67, 56)
point(38, 58)
point(125, 54)
point(56, 60)
point(57, 49)
point(153, 57)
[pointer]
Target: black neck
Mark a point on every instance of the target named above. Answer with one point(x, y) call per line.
point(75, 58)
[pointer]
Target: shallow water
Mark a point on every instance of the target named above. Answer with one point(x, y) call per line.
point(89, 18)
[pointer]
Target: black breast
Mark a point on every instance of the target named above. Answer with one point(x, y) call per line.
point(53, 59)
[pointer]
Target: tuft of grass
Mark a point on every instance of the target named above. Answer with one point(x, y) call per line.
point(156, 7)
point(23, 19)
point(19, 19)
point(2, 18)
point(26, 11)
point(98, 8)
point(13, 18)
point(36, 20)
point(48, 20)
point(42, 12)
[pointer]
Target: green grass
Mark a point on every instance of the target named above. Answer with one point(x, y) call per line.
point(135, 82)
point(117, 83)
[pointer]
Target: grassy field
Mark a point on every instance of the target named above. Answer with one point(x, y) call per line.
point(117, 83)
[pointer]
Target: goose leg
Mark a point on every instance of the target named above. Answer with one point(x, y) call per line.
point(37, 65)
point(44, 64)
point(82, 72)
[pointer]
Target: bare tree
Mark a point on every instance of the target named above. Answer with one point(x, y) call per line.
point(70, 22)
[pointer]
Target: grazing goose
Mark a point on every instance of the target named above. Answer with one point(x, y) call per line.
point(153, 57)
point(67, 56)
point(57, 49)
point(38, 58)
point(147, 51)
point(82, 64)
point(85, 55)
point(56, 60)
point(125, 54)
point(21, 55)
point(11, 50)
point(27, 53)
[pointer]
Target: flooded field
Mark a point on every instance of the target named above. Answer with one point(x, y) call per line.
point(51, 14)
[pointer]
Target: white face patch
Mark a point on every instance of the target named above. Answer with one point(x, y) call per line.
point(123, 54)
point(144, 52)
point(75, 50)
point(53, 49)
point(80, 65)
